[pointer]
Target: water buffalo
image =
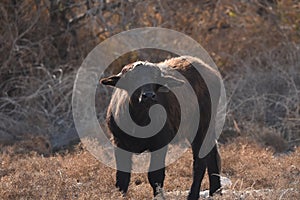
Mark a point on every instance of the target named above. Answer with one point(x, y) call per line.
point(160, 80)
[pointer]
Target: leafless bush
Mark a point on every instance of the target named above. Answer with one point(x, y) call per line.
point(266, 93)
point(43, 43)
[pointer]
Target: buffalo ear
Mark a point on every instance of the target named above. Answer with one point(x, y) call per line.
point(111, 80)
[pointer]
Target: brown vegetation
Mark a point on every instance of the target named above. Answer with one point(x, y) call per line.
point(44, 42)
point(255, 44)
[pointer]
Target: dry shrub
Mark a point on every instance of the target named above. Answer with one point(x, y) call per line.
point(44, 42)
point(36, 84)
point(265, 94)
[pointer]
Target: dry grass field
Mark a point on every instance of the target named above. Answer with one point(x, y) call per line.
point(255, 44)
point(254, 170)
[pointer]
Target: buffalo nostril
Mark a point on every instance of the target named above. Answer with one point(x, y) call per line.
point(144, 96)
point(148, 96)
point(153, 96)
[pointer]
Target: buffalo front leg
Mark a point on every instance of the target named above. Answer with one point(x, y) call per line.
point(123, 164)
point(156, 173)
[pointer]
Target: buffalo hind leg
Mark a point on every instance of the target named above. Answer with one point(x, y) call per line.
point(123, 163)
point(156, 174)
point(199, 167)
point(213, 162)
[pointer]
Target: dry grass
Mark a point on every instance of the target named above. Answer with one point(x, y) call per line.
point(254, 171)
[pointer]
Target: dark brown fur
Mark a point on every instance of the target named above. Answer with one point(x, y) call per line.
point(139, 113)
